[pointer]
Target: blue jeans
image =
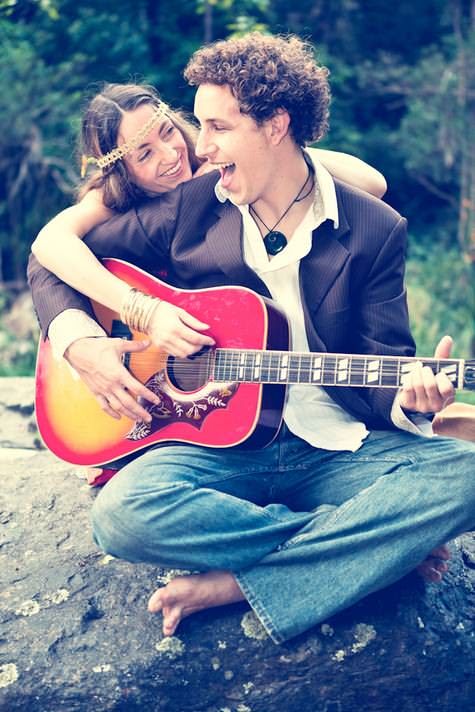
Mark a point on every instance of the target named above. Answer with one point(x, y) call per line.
point(306, 532)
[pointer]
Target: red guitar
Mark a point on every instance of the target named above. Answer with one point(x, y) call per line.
point(232, 394)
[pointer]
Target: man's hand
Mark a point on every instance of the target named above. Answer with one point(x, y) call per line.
point(425, 392)
point(98, 361)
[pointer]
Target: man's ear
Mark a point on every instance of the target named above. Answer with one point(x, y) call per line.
point(279, 126)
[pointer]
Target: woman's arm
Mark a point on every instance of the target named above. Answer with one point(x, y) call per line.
point(59, 248)
point(354, 171)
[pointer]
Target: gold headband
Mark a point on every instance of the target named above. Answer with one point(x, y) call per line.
point(120, 151)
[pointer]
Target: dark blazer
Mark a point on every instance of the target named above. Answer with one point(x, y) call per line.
point(352, 284)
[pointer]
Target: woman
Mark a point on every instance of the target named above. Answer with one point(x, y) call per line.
point(142, 148)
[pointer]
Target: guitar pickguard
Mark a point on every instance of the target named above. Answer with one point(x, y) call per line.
point(177, 406)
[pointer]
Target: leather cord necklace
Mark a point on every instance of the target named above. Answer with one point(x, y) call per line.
point(274, 240)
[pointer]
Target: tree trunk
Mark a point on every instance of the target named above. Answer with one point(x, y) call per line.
point(464, 27)
point(208, 22)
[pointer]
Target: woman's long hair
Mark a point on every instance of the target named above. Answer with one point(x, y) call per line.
point(99, 133)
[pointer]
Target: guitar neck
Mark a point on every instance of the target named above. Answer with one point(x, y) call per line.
point(323, 369)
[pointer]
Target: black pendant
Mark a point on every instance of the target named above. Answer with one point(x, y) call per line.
point(274, 242)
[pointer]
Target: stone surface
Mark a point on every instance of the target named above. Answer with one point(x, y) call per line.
point(20, 318)
point(17, 420)
point(75, 633)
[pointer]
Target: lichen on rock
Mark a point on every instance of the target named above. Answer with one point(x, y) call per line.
point(8, 674)
point(105, 667)
point(28, 608)
point(57, 597)
point(252, 627)
point(364, 634)
point(171, 647)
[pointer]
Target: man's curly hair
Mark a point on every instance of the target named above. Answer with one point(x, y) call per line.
point(266, 73)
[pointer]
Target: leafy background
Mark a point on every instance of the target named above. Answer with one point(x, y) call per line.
point(403, 85)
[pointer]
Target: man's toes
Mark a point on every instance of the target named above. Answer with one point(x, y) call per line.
point(428, 571)
point(441, 552)
point(434, 575)
point(171, 618)
point(155, 602)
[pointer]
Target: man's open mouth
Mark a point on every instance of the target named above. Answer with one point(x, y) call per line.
point(226, 170)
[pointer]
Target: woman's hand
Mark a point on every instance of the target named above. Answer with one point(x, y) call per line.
point(98, 361)
point(175, 331)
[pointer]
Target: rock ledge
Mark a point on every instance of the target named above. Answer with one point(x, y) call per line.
point(76, 634)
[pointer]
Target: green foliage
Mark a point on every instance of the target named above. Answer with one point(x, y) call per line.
point(440, 297)
point(36, 146)
point(12, 8)
point(403, 86)
point(17, 358)
point(17, 351)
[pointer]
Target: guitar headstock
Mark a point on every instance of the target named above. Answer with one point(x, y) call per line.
point(469, 375)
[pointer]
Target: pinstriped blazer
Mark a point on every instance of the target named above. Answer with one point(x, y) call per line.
point(352, 281)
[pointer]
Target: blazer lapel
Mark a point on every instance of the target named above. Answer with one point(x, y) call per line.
point(318, 270)
point(224, 240)
point(324, 263)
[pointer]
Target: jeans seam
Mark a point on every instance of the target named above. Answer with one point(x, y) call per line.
point(230, 476)
point(258, 608)
point(408, 461)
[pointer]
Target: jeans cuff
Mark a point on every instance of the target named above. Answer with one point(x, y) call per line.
point(258, 608)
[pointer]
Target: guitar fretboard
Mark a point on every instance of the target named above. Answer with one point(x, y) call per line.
point(249, 366)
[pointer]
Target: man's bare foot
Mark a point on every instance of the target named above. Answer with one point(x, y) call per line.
point(185, 595)
point(434, 567)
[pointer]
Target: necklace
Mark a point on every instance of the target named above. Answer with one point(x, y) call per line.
point(274, 240)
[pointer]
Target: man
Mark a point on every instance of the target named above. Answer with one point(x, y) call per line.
point(349, 497)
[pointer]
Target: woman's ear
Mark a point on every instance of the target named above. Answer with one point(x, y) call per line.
point(279, 126)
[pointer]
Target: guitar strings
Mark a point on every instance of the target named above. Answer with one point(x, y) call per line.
point(237, 354)
point(236, 360)
point(231, 360)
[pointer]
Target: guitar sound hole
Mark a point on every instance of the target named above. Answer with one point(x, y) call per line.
point(190, 373)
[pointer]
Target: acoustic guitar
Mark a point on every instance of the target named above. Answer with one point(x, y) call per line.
point(232, 394)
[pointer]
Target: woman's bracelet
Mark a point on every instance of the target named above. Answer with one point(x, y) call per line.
point(137, 309)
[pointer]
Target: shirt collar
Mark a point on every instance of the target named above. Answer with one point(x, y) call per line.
point(325, 203)
point(221, 193)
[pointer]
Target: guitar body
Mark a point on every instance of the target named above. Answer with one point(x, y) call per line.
point(192, 410)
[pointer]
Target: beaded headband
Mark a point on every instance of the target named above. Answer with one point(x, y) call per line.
point(120, 151)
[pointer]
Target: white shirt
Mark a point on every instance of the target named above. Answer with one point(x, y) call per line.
point(309, 412)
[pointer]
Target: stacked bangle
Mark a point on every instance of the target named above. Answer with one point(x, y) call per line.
point(137, 309)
